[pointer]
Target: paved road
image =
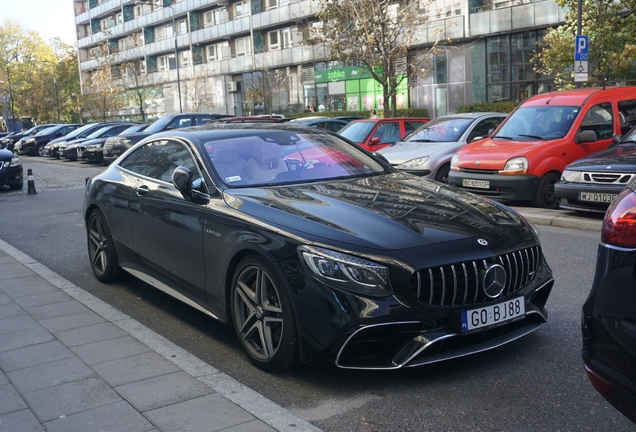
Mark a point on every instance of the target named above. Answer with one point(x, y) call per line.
point(536, 383)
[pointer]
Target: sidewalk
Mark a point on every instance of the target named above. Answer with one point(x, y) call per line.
point(71, 362)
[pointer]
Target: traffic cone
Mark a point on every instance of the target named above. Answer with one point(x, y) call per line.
point(30, 182)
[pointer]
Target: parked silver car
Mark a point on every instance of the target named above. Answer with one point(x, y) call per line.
point(427, 151)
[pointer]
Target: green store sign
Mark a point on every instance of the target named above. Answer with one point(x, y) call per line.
point(343, 74)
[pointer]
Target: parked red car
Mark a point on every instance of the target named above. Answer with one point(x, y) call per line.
point(373, 134)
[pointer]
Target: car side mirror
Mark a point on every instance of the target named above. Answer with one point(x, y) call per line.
point(182, 180)
point(375, 140)
point(381, 157)
point(615, 140)
point(586, 136)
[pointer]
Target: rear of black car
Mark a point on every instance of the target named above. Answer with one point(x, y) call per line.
point(609, 313)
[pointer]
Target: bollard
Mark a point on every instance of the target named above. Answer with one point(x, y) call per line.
point(30, 182)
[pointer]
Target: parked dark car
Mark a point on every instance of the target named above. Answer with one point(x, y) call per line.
point(52, 148)
point(609, 313)
point(34, 145)
point(116, 146)
point(346, 262)
point(247, 119)
point(592, 182)
point(8, 142)
point(329, 124)
point(10, 170)
point(373, 134)
point(69, 150)
point(91, 150)
point(428, 150)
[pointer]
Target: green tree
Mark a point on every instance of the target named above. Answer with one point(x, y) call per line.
point(611, 29)
point(377, 34)
point(102, 95)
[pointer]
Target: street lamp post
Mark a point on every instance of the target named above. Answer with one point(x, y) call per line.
point(79, 108)
point(176, 51)
point(57, 103)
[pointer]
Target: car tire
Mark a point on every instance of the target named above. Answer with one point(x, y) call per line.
point(101, 250)
point(39, 151)
point(442, 174)
point(545, 196)
point(263, 317)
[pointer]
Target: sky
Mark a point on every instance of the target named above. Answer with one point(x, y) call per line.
point(50, 18)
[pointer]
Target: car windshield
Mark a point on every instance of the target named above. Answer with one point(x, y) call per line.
point(440, 130)
point(538, 123)
point(98, 133)
point(160, 124)
point(79, 131)
point(357, 131)
point(47, 130)
point(267, 157)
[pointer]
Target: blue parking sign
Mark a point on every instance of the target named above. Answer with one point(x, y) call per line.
point(580, 48)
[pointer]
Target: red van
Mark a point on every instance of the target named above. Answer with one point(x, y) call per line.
point(525, 156)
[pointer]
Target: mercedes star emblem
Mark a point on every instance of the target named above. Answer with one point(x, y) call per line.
point(494, 281)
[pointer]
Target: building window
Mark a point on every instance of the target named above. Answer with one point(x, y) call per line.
point(271, 4)
point(182, 27)
point(142, 66)
point(240, 9)
point(211, 53)
point(107, 23)
point(163, 32)
point(272, 40)
point(164, 62)
point(439, 64)
point(242, 46)
point(185, 58)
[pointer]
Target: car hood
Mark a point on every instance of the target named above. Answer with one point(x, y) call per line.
point(493, 154)
point(94, 141)
point(403, 151)
point(390, 212)
point(6, 155)
point(619, 158)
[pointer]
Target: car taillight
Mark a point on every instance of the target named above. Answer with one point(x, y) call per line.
point(619, 225)
point(601, 386)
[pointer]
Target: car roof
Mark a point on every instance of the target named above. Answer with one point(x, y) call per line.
point(472, 115)
point(378, 120)
point(574, 97)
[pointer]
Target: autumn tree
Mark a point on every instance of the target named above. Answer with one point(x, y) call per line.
point(378, 35)
point(611, 30)
point(267, 85)
point(102, 95)
point(199, 93)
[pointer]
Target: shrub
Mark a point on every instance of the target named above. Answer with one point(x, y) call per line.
point(410, 112)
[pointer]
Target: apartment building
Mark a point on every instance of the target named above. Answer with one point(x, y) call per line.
point(225, 47)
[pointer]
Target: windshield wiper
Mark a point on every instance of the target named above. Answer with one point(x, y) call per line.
point(503, 137)
point(533, 136)
point(422, 140)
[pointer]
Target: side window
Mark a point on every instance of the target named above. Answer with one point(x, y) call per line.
point(138, 160)
point(334, 127)
point(166, 156)
point(201, 120)
point(180, 122)
point(388, 132)
point(599, 119)
point(411, 126)
point(483, 127)
point(627, 114)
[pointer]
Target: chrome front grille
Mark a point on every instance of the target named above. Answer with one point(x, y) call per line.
point(607, 177)
point(461, 283)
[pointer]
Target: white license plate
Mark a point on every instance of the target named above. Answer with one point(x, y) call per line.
point(596, 197)
point(481, 184)
point(494, 314)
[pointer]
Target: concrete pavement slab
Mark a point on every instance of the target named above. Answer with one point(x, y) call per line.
point(10, 399)
point(134, 368)
point(23, 338)
point(115, 417)
point(18, 322)
point(57, 310)
point(10, 310)
point(28, 285)
point(33, 355)
point(71, 321)
point(49, 374)
point(23, 421)
point(41, 299)
point(89, 334)
point(111, 349)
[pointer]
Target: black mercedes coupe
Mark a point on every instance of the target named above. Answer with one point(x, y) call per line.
point(315, 250)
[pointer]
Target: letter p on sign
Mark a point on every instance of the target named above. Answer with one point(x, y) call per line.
point(581, 47)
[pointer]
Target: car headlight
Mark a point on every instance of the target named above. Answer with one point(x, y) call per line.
point(93, 147)
point(516, 165)
point(572, 176)
point(15, 161)
point(30, 140)
point(454, 166)
point(414, 163)
point(347, 272)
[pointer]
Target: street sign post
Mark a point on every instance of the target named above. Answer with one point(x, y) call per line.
point(580, 59)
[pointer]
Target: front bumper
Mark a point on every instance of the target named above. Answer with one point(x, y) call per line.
point(507, 187)
point(569, 195)
point(25, 148)
point(404, 330)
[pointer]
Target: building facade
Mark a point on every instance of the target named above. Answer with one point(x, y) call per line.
point(225, 50)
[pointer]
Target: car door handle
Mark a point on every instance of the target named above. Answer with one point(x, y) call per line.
point(142, 190)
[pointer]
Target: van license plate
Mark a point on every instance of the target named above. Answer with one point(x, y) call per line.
point(494, 314)
point(481, 184)
point(596, 197)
